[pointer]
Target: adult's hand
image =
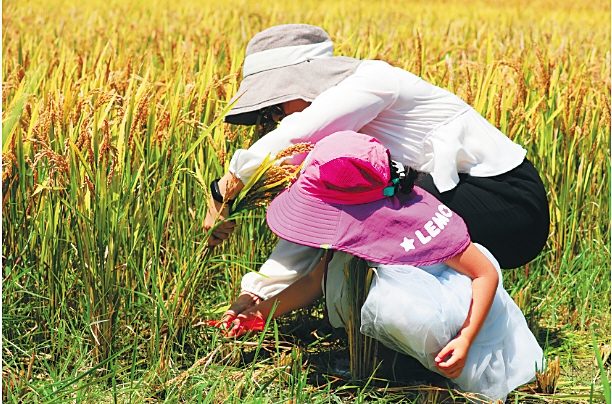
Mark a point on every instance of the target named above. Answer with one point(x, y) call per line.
point(244, 302)
point(216, 213)
point(229, 187)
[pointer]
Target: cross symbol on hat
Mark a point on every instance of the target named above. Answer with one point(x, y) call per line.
point(408, 244)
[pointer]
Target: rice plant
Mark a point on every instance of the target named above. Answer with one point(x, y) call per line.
point(362, 349)
point(112, 130)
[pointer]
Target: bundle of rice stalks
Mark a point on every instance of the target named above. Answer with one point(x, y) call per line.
point(547, 381)
point(270, 179)
point(362, 349)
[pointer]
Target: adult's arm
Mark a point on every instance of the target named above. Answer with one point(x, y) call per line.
point(473, 263)
point(350, 105)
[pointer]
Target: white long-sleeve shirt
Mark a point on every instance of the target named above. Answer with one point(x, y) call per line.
point(423, 126)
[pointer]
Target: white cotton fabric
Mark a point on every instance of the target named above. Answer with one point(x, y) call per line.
point(287, 263)
point(424, 126)
point(418, 310)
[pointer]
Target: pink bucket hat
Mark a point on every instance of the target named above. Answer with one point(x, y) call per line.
point(338, 202)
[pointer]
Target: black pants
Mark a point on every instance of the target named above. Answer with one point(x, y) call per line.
point(507, 213)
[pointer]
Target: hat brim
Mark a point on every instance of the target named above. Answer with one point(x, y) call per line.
point(304, 81)
point(394, 231)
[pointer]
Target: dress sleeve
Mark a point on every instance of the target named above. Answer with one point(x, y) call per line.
point(350, 105)
point(287, 263)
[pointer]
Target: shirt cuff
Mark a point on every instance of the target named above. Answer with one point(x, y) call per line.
point(244, 164)
point(287, 263)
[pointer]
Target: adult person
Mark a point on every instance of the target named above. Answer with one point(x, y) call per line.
point(290, 74)
point(436, 296)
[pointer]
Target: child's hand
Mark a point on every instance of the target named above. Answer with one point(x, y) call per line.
point(245, 301)
point(451, 359)
point(252, 321)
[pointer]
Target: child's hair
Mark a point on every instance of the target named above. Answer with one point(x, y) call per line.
point(407, 176)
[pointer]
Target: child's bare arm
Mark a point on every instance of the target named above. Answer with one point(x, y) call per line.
point(485, 279)
point(301, 293)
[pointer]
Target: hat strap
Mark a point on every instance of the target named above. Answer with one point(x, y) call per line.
point(390, 190)
point(285, 56)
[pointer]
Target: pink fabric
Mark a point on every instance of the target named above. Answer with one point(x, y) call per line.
point(338, 203)
point(238, 327)
point(355, 176)
point(242, 326)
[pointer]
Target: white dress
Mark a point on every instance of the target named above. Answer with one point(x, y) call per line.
point(417, 310)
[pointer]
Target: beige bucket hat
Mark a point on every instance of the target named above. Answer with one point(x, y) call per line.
point(284, 63)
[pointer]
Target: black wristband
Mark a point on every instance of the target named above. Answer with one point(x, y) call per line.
point(216, 193)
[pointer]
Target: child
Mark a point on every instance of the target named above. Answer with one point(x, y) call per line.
point(436, 296)
point(290, 73)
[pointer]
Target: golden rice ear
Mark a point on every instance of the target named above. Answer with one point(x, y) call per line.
point(278, 174)
point(293, 150)
point(270, 179)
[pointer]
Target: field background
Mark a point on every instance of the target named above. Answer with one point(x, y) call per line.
point(111, 132)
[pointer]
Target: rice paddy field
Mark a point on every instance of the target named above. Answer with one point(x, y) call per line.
point(112, 129)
